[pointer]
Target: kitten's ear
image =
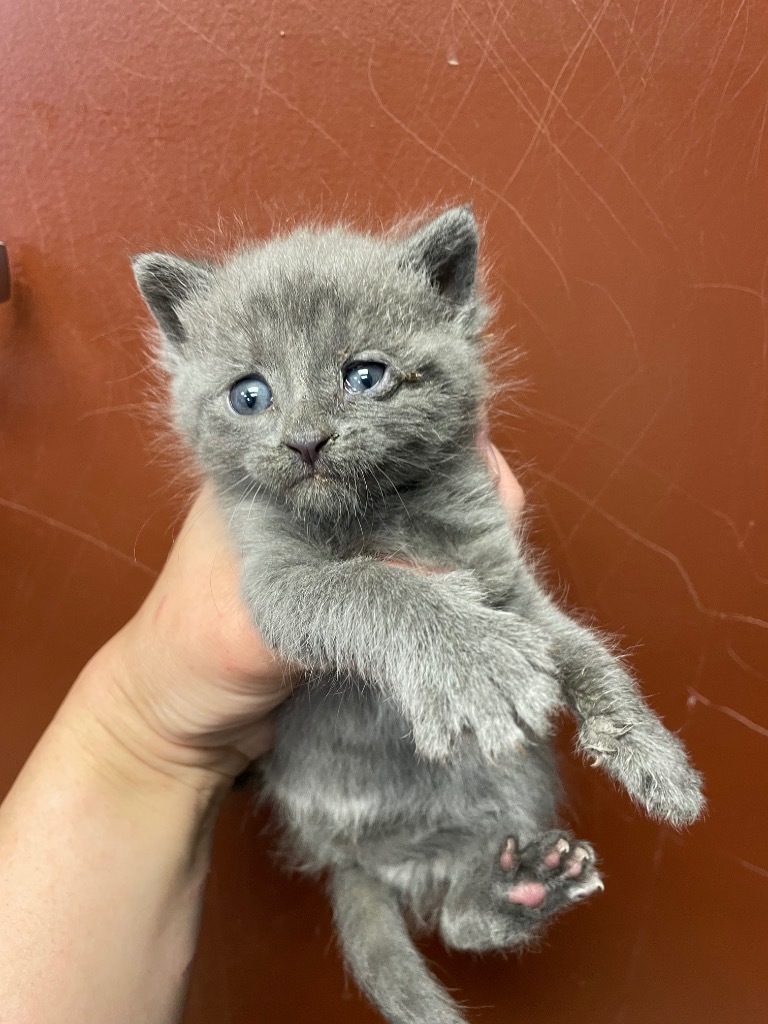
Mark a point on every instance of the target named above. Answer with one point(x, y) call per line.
point(446, 250)
point(166, 282)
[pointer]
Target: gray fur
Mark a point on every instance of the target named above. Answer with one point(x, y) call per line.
point(421, 739)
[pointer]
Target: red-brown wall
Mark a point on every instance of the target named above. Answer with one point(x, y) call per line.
point(617, 152)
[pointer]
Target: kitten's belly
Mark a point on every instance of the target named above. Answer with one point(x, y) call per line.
point(344, 773)
point(342, 761)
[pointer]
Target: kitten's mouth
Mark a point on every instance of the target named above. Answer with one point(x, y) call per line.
point(312, 477)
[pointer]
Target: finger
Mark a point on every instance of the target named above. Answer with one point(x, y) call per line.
point(510, 491)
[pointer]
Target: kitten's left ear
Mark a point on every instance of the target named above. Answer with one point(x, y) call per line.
point(166, 283)
point(446, 250)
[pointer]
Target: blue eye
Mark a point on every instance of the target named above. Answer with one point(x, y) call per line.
point(250, 395)
point(362, 377)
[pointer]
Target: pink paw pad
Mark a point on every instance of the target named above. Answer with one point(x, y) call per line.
point(528, 894)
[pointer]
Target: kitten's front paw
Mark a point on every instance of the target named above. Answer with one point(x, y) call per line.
point(650, 763)
point(498, 681)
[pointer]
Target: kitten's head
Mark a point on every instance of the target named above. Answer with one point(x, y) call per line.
point(325, 368)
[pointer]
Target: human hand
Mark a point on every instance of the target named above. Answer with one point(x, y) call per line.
point(190, 663)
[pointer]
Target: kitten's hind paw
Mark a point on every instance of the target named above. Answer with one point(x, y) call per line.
point(650, 763)
point(547, 875)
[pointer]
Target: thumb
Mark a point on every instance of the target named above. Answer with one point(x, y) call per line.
point(510, 491)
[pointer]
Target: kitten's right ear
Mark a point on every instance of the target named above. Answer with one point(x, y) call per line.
point(445, 250)
point(166, 283)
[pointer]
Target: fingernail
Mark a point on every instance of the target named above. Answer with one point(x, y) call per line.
point(492, 458)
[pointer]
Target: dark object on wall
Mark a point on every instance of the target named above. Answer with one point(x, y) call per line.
point(5, 274)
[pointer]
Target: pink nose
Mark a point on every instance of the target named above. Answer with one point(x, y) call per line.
point(308, 448)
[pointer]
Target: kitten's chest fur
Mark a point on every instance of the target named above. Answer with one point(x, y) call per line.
point(458, 523)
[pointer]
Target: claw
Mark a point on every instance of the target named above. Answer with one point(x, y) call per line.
point(555, 855)
point(575, 863)
point(507, 859)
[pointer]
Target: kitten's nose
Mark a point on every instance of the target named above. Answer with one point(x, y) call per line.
point(308, 447)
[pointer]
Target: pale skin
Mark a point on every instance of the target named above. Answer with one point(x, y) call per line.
point(105, 836)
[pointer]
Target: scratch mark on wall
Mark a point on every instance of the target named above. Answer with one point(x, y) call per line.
point(420, 102)
point(157, 140)
point(577, 56)
point(694, 698)
point(670, 556)
point(626, 456)
point(248, 70)
point(523, 304)
point(721, 106)
point(624, 318)
point(223, 154)
point(125, 69)
point(528, 107)
point(72, 531)
point(731, 287)
point(750, 867)
point(139, 407)
point(469, 177)
point(319, 13)
point(727, 286)
point(754, 163)
point(725, 106)
point(592, 29)
point(484, 51)
point(744, 666)
point(579, 125)
point(706, 77)
point(581, 432)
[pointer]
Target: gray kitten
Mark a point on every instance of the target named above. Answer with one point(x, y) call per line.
point(330, 385)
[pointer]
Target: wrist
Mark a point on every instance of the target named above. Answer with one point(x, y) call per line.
point(106, 842)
